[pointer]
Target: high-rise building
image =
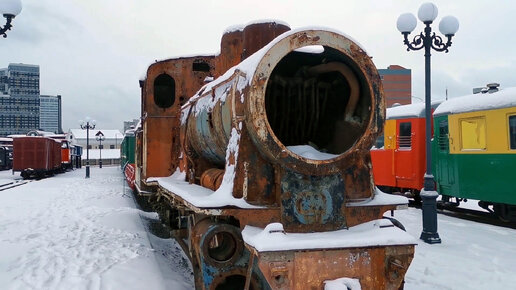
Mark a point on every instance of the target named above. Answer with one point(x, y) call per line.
point(50, 113)
point(397, 85)
point(22, 80)
point(21, 107)
point(18, 115)
point(19, 104)
point(3, 81)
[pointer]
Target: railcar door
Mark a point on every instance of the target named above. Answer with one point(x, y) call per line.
point(404, 159)
point(443, 166)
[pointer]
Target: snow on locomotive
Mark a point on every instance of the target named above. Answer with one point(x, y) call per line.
point(258, 159)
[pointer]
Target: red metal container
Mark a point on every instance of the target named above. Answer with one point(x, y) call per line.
point(37, 155)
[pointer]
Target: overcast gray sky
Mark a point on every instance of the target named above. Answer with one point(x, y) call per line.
point(93, 52)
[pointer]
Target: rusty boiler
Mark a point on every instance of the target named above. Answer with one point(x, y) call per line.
point(267, 143)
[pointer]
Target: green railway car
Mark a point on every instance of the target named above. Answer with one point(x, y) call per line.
point(127, 156)
point(127, 149)
point(474, 150)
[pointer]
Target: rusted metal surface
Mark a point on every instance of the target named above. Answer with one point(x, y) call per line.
point(220, 255)
point(239, 128)
point(258, 217)
point(161, 146)
point(258, 35)
point(358, 214)
point(231, 46)
point(376, 268)
point(337, 97)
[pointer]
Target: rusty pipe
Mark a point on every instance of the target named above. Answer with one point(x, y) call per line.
point(350, 77)
point(212, 178)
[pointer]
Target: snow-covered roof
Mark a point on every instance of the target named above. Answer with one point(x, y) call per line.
point(504, 98)
point(108, 134)
point(44, 133)
point(416, 110)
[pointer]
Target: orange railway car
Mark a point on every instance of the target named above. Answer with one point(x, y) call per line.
point(398, 157)
point(66, 161)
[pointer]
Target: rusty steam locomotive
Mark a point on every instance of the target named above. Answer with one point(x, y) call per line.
point(257, 159)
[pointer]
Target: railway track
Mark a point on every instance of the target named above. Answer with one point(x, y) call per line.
point(469, 214)
point(13, 184)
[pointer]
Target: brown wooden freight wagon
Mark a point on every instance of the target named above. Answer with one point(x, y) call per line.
point(36, 156)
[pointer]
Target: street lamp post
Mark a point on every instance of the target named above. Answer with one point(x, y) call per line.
point(9, 9)
point(428, 40)
point(87, 125)
point(100, 137)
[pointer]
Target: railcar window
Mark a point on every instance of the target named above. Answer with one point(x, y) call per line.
point(164, 91)
point(473, 134)
point(405, 138)
point(442, 139)
point(512, 131)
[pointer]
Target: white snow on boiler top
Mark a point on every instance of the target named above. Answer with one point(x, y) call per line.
point(504, 98)
point(379, 232)
point(248, 66)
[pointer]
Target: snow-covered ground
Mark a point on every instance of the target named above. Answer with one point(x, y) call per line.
point(68, 232)
point(471, 255)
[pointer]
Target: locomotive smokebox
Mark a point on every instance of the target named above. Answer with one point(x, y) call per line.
point(314, 99)
point(294, 122)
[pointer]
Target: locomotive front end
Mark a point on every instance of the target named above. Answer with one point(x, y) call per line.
point(274, 172)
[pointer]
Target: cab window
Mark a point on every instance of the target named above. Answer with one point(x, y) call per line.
point(405, 138)
point(473, 134)
point(442, 138)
